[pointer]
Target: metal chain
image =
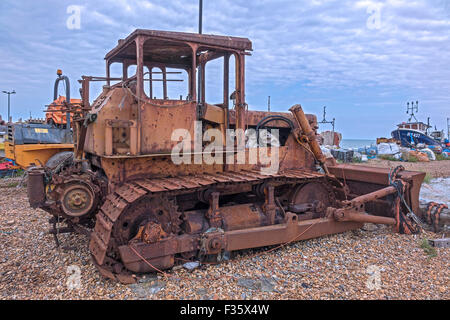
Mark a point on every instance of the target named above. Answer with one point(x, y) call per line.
point(393, 175)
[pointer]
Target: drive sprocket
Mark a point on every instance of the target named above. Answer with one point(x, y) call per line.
point(158, 210)
point(146, 210)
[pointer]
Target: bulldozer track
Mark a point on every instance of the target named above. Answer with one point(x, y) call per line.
point(102, 244)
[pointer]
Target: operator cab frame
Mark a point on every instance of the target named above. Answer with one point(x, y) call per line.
point(175, 50)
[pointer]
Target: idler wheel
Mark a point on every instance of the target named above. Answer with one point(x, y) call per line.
point(315, 194)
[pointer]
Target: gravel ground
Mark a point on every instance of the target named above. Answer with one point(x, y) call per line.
point(332, 267)
point(435, 169)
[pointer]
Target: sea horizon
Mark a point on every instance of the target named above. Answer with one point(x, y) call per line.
point(357, 143)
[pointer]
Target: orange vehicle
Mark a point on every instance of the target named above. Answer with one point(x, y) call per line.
point(56, 114)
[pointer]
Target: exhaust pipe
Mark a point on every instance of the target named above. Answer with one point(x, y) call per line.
point(55, 96)
point(36, 187)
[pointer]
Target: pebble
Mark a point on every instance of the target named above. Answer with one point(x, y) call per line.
point(202, 291)
point(331, 267)
point(369, 227)
point(248, 283)
point(191, 265)
point(267, 285)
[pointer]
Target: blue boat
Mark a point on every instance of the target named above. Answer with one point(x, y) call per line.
point(410, 134)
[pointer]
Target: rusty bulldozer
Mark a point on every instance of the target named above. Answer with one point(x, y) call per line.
point(145, 213)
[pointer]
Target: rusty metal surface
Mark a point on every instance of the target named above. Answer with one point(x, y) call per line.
point(174, 40)
point(78, 199)
point(242, 216)
point(314, 196)
point(36, 187)
point(202, 180)
point(366, 173)
point(307, 135)
point(129, 206)
point(290, 231)
point(71, 194)
point(254, 117)
point(128, 152)
point(368, 179)
point(354, 210)
point(232, 240)
point(348, 215)
point(374, 195)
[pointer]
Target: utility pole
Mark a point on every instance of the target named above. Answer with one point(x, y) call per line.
point(200, 16)
point(200, 68)
point(448, 128)
point(9, 93)
point(268, 104)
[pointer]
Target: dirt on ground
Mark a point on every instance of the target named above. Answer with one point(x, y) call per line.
point(434, 168)
point(370, 263)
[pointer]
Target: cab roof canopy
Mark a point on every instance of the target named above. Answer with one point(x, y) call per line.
point(175, 48)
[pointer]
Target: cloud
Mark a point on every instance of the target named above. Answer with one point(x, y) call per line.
point(310, 50)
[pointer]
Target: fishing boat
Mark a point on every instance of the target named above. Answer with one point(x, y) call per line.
point(414, 133)
point(439, 136)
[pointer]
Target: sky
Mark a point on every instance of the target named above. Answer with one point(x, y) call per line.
point(363, 60)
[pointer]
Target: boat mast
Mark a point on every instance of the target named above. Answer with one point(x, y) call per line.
point(413, 108)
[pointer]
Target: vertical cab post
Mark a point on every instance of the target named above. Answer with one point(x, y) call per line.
point(240, 91)
point(193, 74)
point(226, 88)
point(139, 88)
